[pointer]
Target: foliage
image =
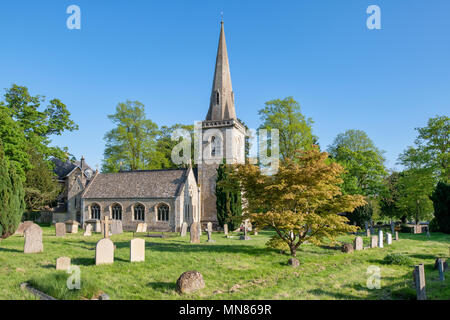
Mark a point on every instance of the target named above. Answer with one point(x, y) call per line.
point(364, 163)
point(228, 195)
point(302, 201)
point(389, 198)
point(361, 214)
point(398, 259)
point(131, 145)
point(295, 131)
point(12, 204)
point(165, 145)
point(434, 225)
point(441, 204)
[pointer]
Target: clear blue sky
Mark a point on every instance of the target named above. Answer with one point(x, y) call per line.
point(162, 53)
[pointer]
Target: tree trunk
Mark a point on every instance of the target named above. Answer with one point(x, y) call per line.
point(293, 250)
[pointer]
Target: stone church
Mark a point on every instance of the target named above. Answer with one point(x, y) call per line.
point(164, 199)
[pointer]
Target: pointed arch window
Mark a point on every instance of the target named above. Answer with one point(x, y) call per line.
point(217, 97)
point(95, 211)
point(216, 144)
point(163, 212)
point(139, 212)
point(117, 212)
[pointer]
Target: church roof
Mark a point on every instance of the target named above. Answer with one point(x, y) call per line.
point(137, 184)
point(222, 97)
point(63, 168)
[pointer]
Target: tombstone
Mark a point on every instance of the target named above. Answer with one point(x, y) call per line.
point(347, 248)
point(389, 238)
point(72, 226)
point(104, 252)
point(183, 229)
point(392, 228)
point(371, 227)
point(419, 281)
point(396, 235)
point(22, 227)
point(380, 238)
point(209, 226)
point(116, 227)
point(106, 227)
point(195, 232)
point(63, 263)
point(33, 239)
point(141, 227)
point(440, 263)
point(368, 233)
point(60, 229)
point(374, 242)
point(210, 237)
point(88, 230)
point(137, 250)
point(225, 229)
point(358, 243)
point(244, 236)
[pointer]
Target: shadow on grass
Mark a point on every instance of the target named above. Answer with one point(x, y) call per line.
point(10, 250)
point(162, 286)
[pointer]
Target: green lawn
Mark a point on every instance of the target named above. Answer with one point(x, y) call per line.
point(232, 269)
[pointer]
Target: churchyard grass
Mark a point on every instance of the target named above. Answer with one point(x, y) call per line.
point(232, 268)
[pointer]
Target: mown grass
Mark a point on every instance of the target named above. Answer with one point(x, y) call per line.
point(232, 268)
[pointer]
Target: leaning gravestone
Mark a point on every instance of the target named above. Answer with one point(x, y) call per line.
point(137, 250)
point(374, 242)
point(380, 239)
point(141, 227)
point(63, 263)
point(33, 239)
point(60, 229)
point(358, 243)
point(419, 281)
point(88, 230)
point(183, 229)
point(22, 227)
point(389, 238)
point(116, 227)
point(195, 232)
point(104, 252)
point(225, 229)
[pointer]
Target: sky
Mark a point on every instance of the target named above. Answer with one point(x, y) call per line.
point(386, 82)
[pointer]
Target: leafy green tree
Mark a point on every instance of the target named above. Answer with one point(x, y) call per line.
point(361, 215)
point(295, 130)
point(165, 145)
point(441, 204)
point(131, 145)
point(389, 199)
point(12, 203)
point(228, 195)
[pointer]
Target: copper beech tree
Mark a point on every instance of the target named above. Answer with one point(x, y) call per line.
point(302, 201)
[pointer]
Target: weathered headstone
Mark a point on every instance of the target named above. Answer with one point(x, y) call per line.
point(389, 238)
point(293, 262)
point(372, 231)
point(441, 269)
point(209, 226)
point(137, 250)
point(392, 228)
point(347, 248)
point(141, 227)
point(72, 226)
point(60, 229)
point(23, 226)
point(116, 227)
point(183, 229)
point(104, 252)
point(225, 229)
point(419, 281)
point(190, 281)
point(358, 243)
point(33, 239)
point(63, 263)
point(244, 236)
point(374, 242)
point(444, 263)
point(88, 230)
point(380, 238)
point(428, 232)
point(396, 235)
point(368, 233)
point(195, 232)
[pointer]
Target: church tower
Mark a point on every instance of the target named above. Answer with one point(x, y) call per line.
point(223, 135)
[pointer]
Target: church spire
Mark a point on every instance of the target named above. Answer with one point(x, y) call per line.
point(221, 106)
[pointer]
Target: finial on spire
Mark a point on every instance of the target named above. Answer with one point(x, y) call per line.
point(221, 14)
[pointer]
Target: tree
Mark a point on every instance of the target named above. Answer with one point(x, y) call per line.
point(295, 130)
point(131, 145)
point(228, 195)
point(364, 163)
point(12, 205)
point(389, 198)
point(165, 145)
point(361, 214)
point(441, 204)
point(302, 201)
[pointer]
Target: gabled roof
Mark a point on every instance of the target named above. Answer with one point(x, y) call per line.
point(64, 168)
point(137, 184)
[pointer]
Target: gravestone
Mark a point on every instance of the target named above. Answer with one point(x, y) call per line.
point(396, 235)
point(33, 239)
point(88, 230)
point(380, 238)
point(137, 250)
point(23, 226)
point(419, 281)
point(104, 252)
point(210, 237)
point(225, 229)
point(183, 229)
point(368, 233)
point(293, 262)
point(374, 242)
point(372, 231)
point(428, 232)
point(389, 238)
point(106, 227)
point(195, 232)
point(116, 227)
point(392, 228)
point(63, 263)
point(60, 229)
point(71, 226)
point(347, 248)
point(141, 227)
point(190, 281)
point(444, 263)
point(244, 236)
point(441, 268)
point(209, 226)
point(358, 243)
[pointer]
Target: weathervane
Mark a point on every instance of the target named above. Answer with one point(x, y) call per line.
point(221, 14)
